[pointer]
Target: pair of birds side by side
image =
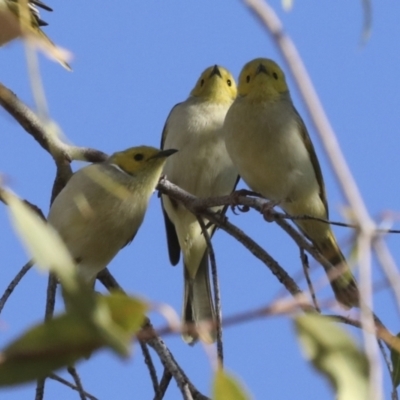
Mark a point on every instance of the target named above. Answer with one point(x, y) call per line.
point(14, 23)
point(220, 131)
point(258, 134)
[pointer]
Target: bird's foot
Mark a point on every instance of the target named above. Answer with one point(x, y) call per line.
point(235, 200)
point(267, 210)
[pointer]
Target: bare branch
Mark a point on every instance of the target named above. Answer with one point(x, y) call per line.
point(39, 393)
point(164, 383)
point(150, 365)
point(72, 371)
point(217, 293)
point(70, 385)
point(13, 284)
point(306, 267)
point(196, 206)
point(154, 341)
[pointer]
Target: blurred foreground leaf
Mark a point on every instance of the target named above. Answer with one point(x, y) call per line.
point(334, 353)
point(41, 241)
point(65, 339)
point(227, 387)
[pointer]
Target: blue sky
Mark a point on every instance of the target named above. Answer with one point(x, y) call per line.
point(132, 64)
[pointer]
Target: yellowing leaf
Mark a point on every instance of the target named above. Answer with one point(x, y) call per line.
point(227, 387)
point(334, 353)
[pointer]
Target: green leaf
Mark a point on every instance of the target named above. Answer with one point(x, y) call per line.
point(334, 353)
point(127, 312)
point(49, 346)
point(227, 387)
point(395, 356)
point(65, 339)
point(117, 318)
point(41, 241)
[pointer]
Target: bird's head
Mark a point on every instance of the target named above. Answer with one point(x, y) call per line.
point(215, 84)
point(142, 159)
point(262, 79)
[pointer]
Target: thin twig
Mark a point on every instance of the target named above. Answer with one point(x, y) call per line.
point(191, 203)
point(150, 366)
point(306, 268)
point(49, 311)
point(50, 297)
point(389, 367)
point(164, 383)
point(109, 282)
point(70, 385)
point(148, 334)
point(39, 392)
point(217, 293)
point(72, 371)
point(13, 284)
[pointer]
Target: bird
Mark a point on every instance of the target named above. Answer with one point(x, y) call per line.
point(102, 206)
point(203, 168)
point(14, 24)
point(268, 142)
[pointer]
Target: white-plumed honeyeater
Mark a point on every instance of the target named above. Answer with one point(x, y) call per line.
point(102, 206)
point(203, 168)
point(269, 144)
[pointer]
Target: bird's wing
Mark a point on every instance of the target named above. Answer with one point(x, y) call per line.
point(174, 250)
point(165, 130)
point(314, 161)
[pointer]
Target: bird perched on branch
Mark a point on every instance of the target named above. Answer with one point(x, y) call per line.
point(203, 168)
point(269, 144)
point(21, 18)
point(102, 206)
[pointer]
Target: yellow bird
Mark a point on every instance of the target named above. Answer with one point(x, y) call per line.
point(269, 144)
point(203, 168)
point(16, 22)
point(102, 206)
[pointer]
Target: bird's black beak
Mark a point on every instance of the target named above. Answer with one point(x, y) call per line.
point(216, 71)
point(164, 153)
point(261, 68)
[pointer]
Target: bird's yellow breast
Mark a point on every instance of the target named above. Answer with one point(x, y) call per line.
point(266, 145)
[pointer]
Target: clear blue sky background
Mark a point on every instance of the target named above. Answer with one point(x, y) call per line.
point(133, 62)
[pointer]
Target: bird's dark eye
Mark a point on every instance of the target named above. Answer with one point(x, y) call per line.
point(275, 75)
point(229, 82)
point(138, 157)
point(248, 78)
point(202, 82)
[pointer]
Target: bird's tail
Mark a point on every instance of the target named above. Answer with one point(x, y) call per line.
point(197, 303)
point(342, 280)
